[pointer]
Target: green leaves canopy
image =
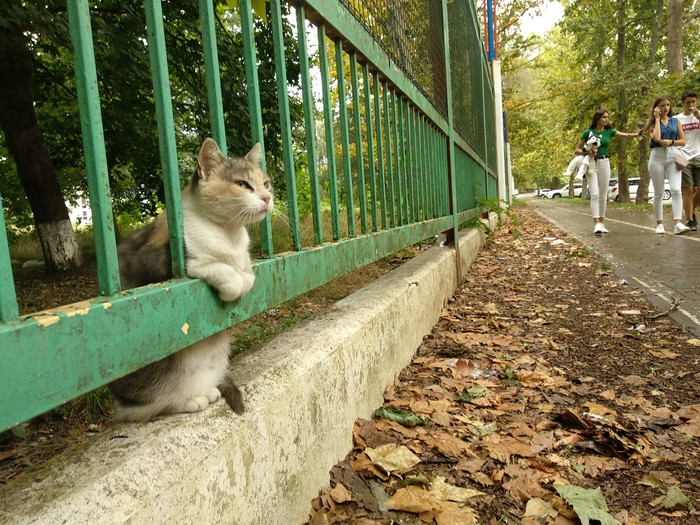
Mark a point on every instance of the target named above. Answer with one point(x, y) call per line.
point(128, 111)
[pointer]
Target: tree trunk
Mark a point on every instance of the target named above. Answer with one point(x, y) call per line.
point(642, 166)
point(623, 104)
point(674, 58)
point(26, 143)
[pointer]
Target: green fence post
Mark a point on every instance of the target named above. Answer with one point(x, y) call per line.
point(9, 310)
point(380, 149)
point(166, 133)
point(403, 133)
point(94, 145)
point(254, 109)
point(357, 123)
point(309, 125)
point(285, 121)
point(370, 145)
point(328, 121)
point(411, 146)
point(211, 68)
point(345, 136)
point(396, 180)
point(389, 158)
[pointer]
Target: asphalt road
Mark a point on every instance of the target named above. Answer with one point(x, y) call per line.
point(664, 266)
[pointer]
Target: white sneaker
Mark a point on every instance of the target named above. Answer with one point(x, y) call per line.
point(598, 228)
point(603, 229)
point(680, 228)
point(660, 229)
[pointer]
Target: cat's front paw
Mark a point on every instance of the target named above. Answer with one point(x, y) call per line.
point(248, 281)
point(230, 292)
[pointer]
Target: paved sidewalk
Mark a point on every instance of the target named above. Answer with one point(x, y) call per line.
point(664, 266)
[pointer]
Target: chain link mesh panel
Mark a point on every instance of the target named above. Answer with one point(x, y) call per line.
point(411, 32)
point(470, 86)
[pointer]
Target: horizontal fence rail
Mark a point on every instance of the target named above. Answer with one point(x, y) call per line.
point(393, 145)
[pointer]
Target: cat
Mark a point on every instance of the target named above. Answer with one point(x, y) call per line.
point(223, 197)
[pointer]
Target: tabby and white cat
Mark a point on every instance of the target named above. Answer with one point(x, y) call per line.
point(223, 197)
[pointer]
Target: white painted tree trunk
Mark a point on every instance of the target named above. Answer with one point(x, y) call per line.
point(58, 243)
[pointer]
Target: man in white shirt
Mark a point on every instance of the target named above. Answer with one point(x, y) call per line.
point(690, 120)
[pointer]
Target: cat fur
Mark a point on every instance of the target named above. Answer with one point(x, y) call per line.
point(223, 197)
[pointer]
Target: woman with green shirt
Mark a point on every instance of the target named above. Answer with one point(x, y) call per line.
point(599, 178)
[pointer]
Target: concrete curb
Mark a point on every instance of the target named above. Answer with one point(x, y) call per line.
point(303, 392)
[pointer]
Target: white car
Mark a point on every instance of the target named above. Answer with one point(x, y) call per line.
point(633, 186)
point(564, 192)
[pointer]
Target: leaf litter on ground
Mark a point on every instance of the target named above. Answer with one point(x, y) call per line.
point(529, 404)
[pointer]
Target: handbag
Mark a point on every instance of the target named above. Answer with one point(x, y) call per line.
point(681, 162)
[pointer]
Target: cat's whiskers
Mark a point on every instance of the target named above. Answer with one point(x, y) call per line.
point(241, 213)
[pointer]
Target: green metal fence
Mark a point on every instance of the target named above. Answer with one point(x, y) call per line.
point(408, 129)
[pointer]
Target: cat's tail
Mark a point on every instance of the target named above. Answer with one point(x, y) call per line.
point(232, 394)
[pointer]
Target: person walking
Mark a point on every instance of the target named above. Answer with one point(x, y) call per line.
point(690, 175)
point(599, 178)
point(666, 139)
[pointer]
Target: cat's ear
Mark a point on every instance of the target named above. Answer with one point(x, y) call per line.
point(254, 155)
point(209, 157)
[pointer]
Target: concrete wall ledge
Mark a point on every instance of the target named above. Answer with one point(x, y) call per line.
point(303, 391)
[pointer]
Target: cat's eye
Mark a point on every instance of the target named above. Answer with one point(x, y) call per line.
point(267, 184)
point(244, 184)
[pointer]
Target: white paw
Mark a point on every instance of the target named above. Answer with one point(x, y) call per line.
point(248, 281)
point(230, 292)
point(197, 404)
point(214, 395)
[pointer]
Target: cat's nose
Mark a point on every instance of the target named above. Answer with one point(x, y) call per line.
point(266, 198)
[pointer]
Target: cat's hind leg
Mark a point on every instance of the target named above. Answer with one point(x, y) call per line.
point(196, 404)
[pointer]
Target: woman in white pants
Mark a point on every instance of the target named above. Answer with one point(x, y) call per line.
point(666, 137)
point(599, 177)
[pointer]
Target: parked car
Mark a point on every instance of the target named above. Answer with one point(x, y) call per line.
point(564, 192)
point(634, 186)
point(542, 192)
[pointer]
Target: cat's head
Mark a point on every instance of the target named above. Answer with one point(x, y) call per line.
point(231, 192)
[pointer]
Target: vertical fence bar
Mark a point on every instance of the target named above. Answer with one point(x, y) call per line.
point(400, 156)
point(370, 145)
point(434, 174)
point(396, 180)
point(166, 133)
point(380, 147)
point(8, 295)
point(285, 121)
point(309, 125)
point(94, 145)
point(403, 125)
point(421, 167)
point(387, 144)
point(328, 121)
point(254, 108)
point(211, 68)
point(444, 190)
point(345, 136)
point(411, 147)
point(450, 166)
point(357, 122)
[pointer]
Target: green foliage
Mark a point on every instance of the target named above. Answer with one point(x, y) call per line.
point(469, 394)
point(589, 504)
point(509, 373)
point(500, 208)
point(127, 99)
point(403, 417)
point(553, 84)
